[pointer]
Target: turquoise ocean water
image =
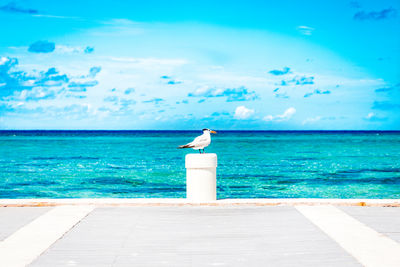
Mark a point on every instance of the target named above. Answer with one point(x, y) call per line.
point(78, 164)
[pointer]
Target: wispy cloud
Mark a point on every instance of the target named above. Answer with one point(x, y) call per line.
point(170, 81)
point(319, 118)
point(231, 94)
point(119, 106)
point(388, 89)
point(74, 109)
point(37, 94)
point(218, 114)
point(121, 22)
point(383, 89)
point(376, 15)
point(282, 117)
point(298, 80)
point(126, 102)
point(50, 78)
point(88, 50)
point(129, 91)
point(13, 8)
point(311, 120)
point(46, 92)
point(14, 81)
point(305, 30)
point(75, 96)
point(374, 118)
point(111, 99)
point(154, 100)
point(284, 71)
point(42, 47)
point(182, 102)
point(282, 95)
point(67, 49)
point(55, 16)
point(174, 82)
point(94, 71)
point(243, 113)
point(317, 92)
point(80, 86)
point(150, 61)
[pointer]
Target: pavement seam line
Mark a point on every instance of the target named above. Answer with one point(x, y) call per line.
point(29, 242)
point(369, 247)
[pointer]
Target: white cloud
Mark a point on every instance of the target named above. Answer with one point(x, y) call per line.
point(374, 118)
point(54, 16)
point(206, 90)
point(3, 60)
point(66, 49)
point(282, 117)
point(150, 61)
point(121, 22)
point(305, 30)
point(311, 120)
point(243, 113)
point(370, 115)
point(233, 94)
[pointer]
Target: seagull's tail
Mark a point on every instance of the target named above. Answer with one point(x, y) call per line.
point(186, 146)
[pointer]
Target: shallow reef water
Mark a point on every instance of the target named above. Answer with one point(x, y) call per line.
point(251, 164)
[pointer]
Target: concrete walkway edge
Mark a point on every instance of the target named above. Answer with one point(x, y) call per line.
point(369, 247)
point(26, 244)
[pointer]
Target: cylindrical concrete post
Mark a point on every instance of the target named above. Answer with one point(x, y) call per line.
point(201, 177)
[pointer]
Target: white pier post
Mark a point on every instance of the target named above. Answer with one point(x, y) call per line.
point(201, 177)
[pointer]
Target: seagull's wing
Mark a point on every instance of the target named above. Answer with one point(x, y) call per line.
point(198, 141)
point(201, 141)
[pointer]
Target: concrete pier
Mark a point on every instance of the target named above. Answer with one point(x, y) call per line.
point(243, 234)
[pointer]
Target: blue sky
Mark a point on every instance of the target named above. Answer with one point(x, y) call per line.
point(265, 65)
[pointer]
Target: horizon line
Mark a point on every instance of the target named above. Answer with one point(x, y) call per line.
point(184, 130)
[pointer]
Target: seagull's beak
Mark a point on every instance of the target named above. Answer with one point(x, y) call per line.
point(214, 132)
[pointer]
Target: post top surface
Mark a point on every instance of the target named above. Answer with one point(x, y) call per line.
point(207, 160)
point(198, 155)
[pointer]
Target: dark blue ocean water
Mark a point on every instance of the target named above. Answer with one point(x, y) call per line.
point(80, 164)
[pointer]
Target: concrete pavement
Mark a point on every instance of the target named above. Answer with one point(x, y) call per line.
point(240, 235)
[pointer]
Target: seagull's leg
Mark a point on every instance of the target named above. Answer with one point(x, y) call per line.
point(204, 151)
point(199, 151)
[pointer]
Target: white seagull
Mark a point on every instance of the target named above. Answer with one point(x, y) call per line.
point(200, 142)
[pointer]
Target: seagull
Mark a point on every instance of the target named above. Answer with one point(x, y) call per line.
point(200, 142)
